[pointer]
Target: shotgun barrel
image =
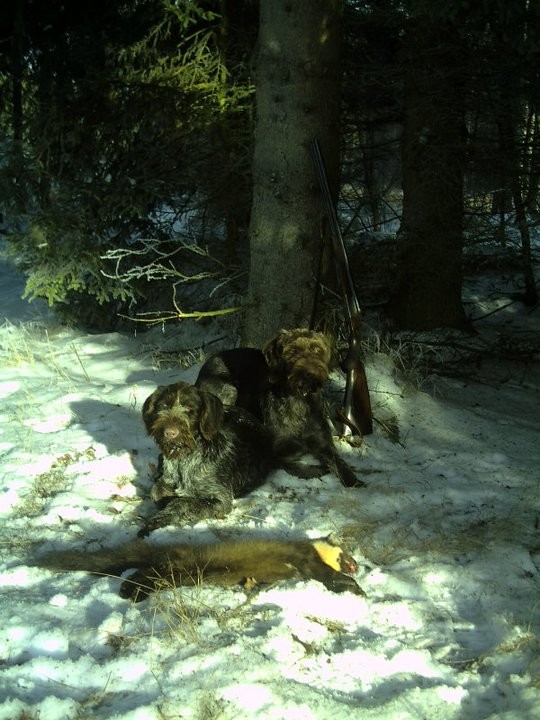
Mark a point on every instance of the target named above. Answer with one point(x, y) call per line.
point(356, 412)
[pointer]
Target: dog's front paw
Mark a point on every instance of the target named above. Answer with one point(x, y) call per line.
point(186, 511)
point(346, 476)
point(350, 480)
point(303, 470)
point(160, 519)
point(161, 491)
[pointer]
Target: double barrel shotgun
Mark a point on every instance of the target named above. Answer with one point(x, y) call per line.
point(355, 414)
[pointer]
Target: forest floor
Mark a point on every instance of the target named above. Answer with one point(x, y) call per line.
point(446, 535)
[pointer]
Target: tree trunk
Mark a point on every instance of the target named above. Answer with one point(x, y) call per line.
point(429, 289)
point(17, 78)
point(297, 99)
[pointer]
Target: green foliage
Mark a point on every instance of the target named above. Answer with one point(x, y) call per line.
point(125, 112)
point(188, 13)
point(54, 279)
point(182, 51)
point(55, 269)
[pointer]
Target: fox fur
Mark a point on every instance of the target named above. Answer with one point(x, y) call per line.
point(227, 563)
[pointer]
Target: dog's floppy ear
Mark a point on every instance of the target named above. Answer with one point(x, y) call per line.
point(211, 415)
point(149, 407)
point(273, 354)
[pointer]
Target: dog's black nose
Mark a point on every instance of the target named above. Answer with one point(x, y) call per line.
point(308, 385)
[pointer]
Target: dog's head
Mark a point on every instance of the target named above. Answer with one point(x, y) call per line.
point(298, 360)
point(178, 416)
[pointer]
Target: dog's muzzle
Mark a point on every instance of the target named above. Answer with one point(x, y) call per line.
point(305, 382)
point(174, 439)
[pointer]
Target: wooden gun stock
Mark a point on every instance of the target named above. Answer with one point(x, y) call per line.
point(356, 413)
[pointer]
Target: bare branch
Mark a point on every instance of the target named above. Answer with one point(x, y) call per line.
point(158, 265)
point(153, 260)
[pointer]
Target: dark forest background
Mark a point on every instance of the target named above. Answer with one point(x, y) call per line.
point(131, 169)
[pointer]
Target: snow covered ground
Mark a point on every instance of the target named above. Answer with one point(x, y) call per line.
point(446, 536)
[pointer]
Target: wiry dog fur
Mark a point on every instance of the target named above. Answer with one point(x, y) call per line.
point(282, 386)
point(209, 454)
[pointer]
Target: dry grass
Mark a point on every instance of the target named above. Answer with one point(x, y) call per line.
point(49, 483)
point(30, 344)
point(182, 611)
point(385, 545)
point(179, 609)
point(209, 706)
point(526, 643)
point(161, 359)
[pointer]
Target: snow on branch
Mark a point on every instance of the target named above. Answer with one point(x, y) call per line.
point(159, 267)
point(153, 260)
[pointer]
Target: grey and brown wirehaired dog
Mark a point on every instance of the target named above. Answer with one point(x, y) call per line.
point(282, 386)
point(210, 454)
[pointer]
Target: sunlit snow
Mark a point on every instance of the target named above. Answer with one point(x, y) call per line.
point(446, 535)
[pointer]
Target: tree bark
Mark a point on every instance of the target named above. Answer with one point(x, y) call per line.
point(429, 290)
point(17, 77)
point(297, 99)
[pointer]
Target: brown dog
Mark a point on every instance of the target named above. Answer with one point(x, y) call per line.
point(209, 454)
point(282, 386)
